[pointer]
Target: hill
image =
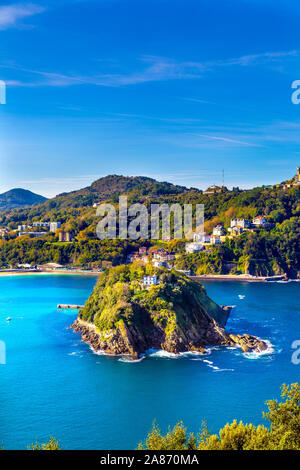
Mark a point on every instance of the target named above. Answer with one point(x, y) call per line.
point(107, 188)
point(18, 197)
point(122, 316)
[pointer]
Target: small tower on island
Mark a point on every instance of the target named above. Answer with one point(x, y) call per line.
point(298, 174)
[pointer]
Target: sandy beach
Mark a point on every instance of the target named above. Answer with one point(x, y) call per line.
point(20, 272)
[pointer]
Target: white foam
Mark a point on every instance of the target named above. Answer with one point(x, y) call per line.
point(124, 359)
point(257, 354)
point(191, 354)
point(161, 353)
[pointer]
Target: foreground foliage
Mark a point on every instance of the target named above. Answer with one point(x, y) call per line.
point(283, 433)
point(52, 444)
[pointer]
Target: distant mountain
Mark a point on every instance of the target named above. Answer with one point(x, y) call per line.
point(18, 197)
point(110, 187)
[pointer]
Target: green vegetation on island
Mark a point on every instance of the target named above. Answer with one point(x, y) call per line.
point(134, 308)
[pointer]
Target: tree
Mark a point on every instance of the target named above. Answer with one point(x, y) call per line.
point(284, 432)
point(52, 444)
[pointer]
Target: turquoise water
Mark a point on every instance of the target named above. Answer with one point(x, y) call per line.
point(52, 383)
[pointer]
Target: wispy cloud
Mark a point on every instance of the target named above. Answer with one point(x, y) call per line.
point(229, 140)
point(152, 68)
point(10, 15)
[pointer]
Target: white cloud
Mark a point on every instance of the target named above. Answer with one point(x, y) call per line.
point(10, 15)
point(156, 69)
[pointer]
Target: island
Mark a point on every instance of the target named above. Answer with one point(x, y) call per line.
point(134, 308)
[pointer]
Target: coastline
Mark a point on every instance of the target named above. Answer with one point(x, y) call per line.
point(239, 277)
point(201, 277)
point(42, 273)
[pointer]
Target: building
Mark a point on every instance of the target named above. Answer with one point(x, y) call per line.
point(33, 234)
point(243, 223)
point(215, 189)
point(236, 231)
point(215, 240)
point(25, 266)
point(54, 226)
point(3, 232)
point(142, 250)
point(219, 230)
point(157, 263)
point(150, 280)
point(163, 255)
point(133, 257)
point(64, 237)
point(193, 247)
point(41, 224)
point(201, 237)
point(259, 221)
point(22, 228)
point(50, 266)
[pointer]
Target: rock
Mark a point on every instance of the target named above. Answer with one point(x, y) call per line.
point(177, 316)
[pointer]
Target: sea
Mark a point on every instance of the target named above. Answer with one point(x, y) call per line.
point(53, 384)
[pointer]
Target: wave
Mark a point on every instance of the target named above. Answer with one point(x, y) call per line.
point(257, 354)
point(161, 353)
point(125, 359)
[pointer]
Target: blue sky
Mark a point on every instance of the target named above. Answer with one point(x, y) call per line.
point(176, 90)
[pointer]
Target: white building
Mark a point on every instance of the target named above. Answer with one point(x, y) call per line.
point(163, 255)
point(54, 226)
point(41, 224)
point(35, 234)
point(259, 221)
point(193, 247)
point(201, 237)
point(240, 223)
point(219, 230)
point(22, 228)
point(150, 280)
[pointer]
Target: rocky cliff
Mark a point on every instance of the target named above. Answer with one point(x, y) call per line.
point(123, 317)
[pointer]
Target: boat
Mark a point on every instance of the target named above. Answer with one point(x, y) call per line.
point(8, 319)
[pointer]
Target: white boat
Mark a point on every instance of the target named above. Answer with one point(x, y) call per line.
point(241, 296)
point(8, 319)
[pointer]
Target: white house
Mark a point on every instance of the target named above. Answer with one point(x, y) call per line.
point(259, 221)
point(219, 230)
point(201, 237)
point(150, 280)
point(163, 255)
point(240, 223)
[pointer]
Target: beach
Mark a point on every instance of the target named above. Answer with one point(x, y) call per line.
point(21, 272)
